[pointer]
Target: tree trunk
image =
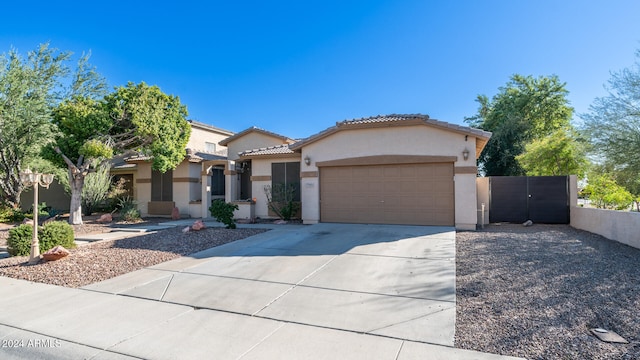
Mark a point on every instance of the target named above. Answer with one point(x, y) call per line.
point(75, 212)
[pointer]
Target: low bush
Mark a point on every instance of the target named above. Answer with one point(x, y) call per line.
point(223, 212)
point(280, 199)
point(56, 233)
point(10, 215)
point(49, 236)
point(128, 209)
point(19, 241)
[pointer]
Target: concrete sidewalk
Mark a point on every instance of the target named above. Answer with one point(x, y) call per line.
point(299, 292)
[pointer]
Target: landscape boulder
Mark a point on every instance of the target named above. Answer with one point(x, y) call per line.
point(55, 253)
point(197, 225)
point(175, 214)
point(105, 218)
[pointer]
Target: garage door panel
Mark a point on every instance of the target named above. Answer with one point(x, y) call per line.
point(420, 194)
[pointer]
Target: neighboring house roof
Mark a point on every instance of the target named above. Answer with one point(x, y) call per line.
point(210, 128)
point(271, 151)
point(285, 139)
point(193, 156)
point(396, 120)
point(198, 157)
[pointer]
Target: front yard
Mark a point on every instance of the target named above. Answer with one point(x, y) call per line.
point(536, 292)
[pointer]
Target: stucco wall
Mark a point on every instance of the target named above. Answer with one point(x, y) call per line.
point(55, 196)
point(400, 140)
point(250, 141)
point(260, 168)
point(199, 138)
point(143, 187)
point(482, 189)
point(187, 187)
point(621, 226)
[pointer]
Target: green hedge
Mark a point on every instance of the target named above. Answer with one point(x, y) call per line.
point(50, 235)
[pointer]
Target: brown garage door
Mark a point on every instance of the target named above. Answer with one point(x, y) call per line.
point(414, 194)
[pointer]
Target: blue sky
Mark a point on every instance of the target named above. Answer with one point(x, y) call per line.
point(297, 67)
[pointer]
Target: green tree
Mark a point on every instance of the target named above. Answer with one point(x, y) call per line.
point(29, 88)
point(605, 193)
point(135, 119)
point(613, 126)
point(526, 109)
point(561, 153)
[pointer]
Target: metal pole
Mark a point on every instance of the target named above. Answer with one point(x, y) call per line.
point(35, 245)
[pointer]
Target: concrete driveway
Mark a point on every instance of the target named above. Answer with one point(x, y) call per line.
point(395, 281)
point(322, 291)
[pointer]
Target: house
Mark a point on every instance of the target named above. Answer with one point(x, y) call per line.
point(393, 169)
point(158, 193)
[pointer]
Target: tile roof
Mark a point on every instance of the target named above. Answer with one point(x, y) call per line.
point(391, 120)
point(255, 129)
point(266, 151)
point(191, 156)
point(209, 127)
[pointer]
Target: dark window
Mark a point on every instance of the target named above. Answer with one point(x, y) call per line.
point(161, 186)
point(217, 181)
point(287, 174)
point(244, 176)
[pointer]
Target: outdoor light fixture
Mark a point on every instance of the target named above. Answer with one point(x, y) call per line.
point(465, 154)
point(307, 160)
point(29, 178)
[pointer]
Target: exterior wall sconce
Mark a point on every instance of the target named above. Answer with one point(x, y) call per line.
point(307, 160)
point(29, 178)
point(465, 154)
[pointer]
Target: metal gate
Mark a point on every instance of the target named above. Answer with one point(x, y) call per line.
point(541, 199)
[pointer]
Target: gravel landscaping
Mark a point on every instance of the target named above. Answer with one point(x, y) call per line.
point(536, 292)
point(107, 259)
point(533, 292)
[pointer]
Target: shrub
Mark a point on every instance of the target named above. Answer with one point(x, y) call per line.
point(95, 190)
point(43, 211)
point(223, 212)
point(10, 215)
point(49, 236)
point(19, 241)
point(129, 209)
point(281, 200)
point(56, 233)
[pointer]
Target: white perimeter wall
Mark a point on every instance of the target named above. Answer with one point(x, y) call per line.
point(621, 226)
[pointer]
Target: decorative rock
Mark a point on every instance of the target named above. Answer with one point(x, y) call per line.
point(27, 221)
point(56, 253)
point(280, 222)
point(197, 225)
point(175, 214)
point(186, 230)
point(608, 336)
point(105, 218)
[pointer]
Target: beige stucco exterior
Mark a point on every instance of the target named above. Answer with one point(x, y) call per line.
point(202, 134)
point(261, 169)
point(187, 176)
point(397, 140)
point(251, 140)
point(378, 141)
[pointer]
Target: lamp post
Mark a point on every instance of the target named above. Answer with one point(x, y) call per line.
point(30, 178)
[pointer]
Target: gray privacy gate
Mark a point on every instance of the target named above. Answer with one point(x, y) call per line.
point(541, 199)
